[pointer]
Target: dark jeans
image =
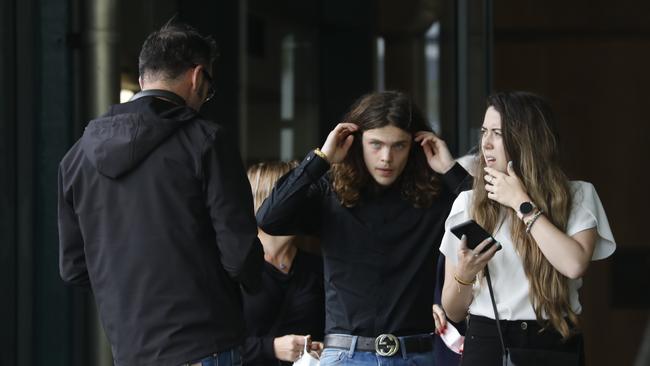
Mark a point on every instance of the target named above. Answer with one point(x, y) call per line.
point(226, 358)
point(482, 346)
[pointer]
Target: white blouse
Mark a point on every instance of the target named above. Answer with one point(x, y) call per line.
point(509, 281)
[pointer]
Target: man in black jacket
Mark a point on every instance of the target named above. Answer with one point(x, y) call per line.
point(156, 215)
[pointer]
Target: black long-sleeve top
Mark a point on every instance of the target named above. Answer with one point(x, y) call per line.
point(379, 256)
point(294, 300)
point(156, 215)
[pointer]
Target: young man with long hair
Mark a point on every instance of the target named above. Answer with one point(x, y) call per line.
point(550, 228)
point(377, 194)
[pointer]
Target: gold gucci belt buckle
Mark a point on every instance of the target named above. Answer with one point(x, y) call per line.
point(386, 345)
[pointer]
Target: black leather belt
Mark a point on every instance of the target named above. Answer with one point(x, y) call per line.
point(383, 345)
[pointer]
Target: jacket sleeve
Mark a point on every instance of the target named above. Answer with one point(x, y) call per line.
point(294, 205)
point(230, 204)
point(457, 179)
point(72, 256)
point(257, 350)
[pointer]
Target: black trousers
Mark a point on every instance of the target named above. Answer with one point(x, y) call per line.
point(482, 346)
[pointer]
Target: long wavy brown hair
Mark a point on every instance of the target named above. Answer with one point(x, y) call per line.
point(418, 183)
point(531, 142)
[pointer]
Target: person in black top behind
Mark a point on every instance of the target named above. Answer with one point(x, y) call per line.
point(380, 215)
point(156, 216)
point(291, 305)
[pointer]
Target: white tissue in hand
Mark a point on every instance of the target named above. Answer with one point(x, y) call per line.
point(453, 339)
point(308, 359)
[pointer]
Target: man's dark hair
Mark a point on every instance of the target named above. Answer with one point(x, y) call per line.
point(174, 48)
point(418, 183)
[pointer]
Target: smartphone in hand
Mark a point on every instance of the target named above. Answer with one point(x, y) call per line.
point(475, 234)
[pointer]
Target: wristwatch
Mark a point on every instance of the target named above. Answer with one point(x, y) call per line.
point(525, 208)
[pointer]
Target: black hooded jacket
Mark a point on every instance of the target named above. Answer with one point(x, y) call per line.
point(156, 216)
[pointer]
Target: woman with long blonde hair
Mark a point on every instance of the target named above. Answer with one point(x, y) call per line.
point(550, 228)
point(289, 310)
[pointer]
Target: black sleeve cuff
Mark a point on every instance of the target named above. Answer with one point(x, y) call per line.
point(268, 351)
point(314, 166)
point(454, 177)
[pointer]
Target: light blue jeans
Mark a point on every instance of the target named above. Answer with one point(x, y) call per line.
point(225, 358)
point(341, 357)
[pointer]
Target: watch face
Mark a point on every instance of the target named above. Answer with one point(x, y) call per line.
point(525, 208)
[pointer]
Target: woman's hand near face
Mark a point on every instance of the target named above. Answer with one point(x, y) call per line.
point(436, 151)
point(505, 188)
point(338, 142)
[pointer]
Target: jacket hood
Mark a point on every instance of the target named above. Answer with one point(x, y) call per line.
point(117, 144)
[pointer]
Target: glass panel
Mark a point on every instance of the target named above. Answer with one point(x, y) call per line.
point(432, 62)
point(380, 72)
point(281, 103)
